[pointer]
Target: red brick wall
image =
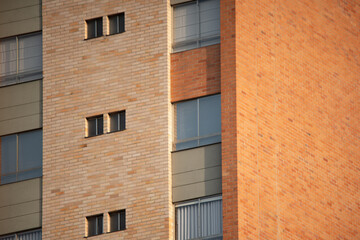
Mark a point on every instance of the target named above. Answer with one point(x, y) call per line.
point(195, 73)
point(295, 172)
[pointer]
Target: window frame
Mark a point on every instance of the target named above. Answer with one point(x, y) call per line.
point(17, 173)
point(97, 132)
point(96, 217)
point(199, 40)
point(15, 236)
point(198, 136)
point(120, 223)
point(87, 23)
point(121, 119)
point(197, 202)
point(120, 18)
point(22, 76)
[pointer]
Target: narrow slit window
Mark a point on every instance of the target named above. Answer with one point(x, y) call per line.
point(95, 126)
point(116, 23)
point(94, 225)
point(117, 121)
point(94, 28)
point(117, 220)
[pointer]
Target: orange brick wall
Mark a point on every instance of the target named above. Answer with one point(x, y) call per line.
point(122, 170)
point(195, 73)
point(295, 122)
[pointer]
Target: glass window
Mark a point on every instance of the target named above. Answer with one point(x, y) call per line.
point(95, 225)
point(95, 126)
point(117, 121)
point(196, 24)
point(29, 235)
point(117, 220)
point(117, 23)
point(21, 59)
point(199, 219)
point(21, 156)
point(198, 122)
point(94, 28)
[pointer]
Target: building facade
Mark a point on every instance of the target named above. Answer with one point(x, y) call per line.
point(178, 119)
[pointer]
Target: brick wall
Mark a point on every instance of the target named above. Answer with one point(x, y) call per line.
point(122, 170)
point(195, 73)
point(295, 173)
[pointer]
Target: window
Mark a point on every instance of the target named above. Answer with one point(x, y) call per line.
point(29, 235)
point(20, 59)
point(94, 225)
point(117, 220)
point(116, 23)
point(117, 121)
point(199, 219)
point(21, 156)
point(95, 126)
point(94, 28)
point(198, 122)
point(196, 24)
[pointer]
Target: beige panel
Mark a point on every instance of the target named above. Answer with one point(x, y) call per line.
point(20, 192)
point(20, 124)
point(197, 190)
point(20, 206)
point(6, 5)
point(196, 172)
point(20, 107)
point(20, 209)
point(20, 94)
point(20, 223)
point(197, 158)
point(20, 111)
point(20, 27)
point(20, 14)
point(196, 176)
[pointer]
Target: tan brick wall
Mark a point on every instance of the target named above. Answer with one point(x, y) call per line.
point(195, 73)
point(295, 122)
point(123, 170)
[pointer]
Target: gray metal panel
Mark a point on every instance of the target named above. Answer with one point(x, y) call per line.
point(196, 172)
point(196, 190)
point(19, 14)
point(196, 158)
point(20, 206)
point(20, 27)
point(20, 107)
point(6, 5)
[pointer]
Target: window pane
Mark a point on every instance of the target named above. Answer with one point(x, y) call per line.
point(30, 53)
point(187, 120)
point(122, 220)
point(186, 22)
point(122, 121)
point(114, 221)
point(99, 220)
point(12, 237)
point(211, 218)
point(90, 28)
point(114, 122)
point(100, 126)
point(8, 56)
point(33, 235)
point(29, 174)
point(91, 226)
point(209, 18)
point(210, 116)
point(187, 222)
point(99, 30)
point(8, 154)
point(117, 23)
point(30, 150)
point(91, 127)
